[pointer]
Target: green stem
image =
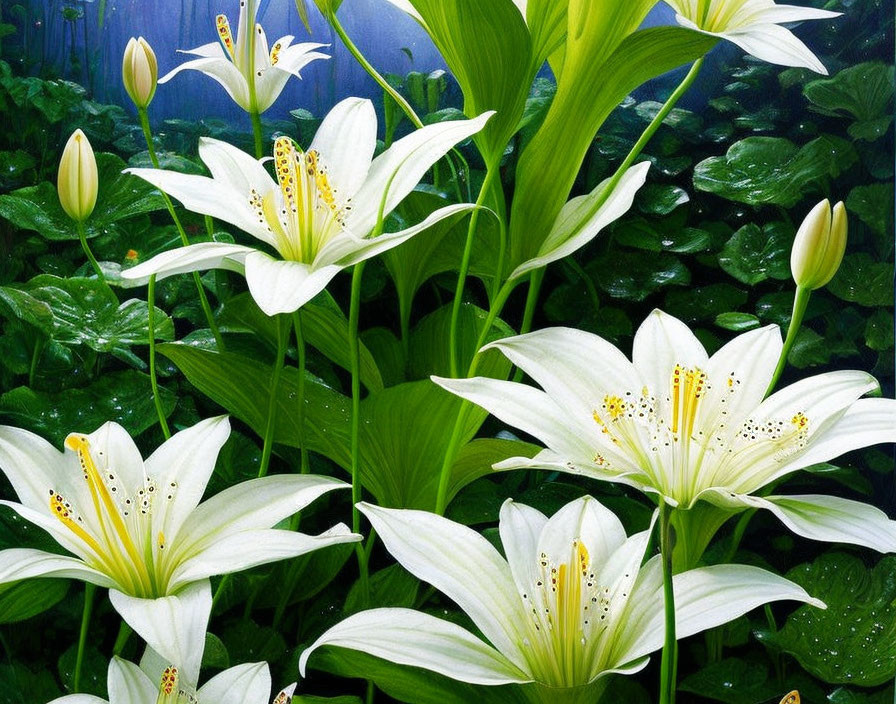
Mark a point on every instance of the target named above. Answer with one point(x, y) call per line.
point(464, 270)
point(257, 133)
point(535, 280)
point(35, 358)
point(153, 378)
point(82, 235)
point(590, 288)
point(185, 241)
point(669, 661)
point(459, 422)
point(371, 691)
point(301, 355)
point(800, 302)
point(89, 591)
point(121, 640)
point(355, 355)
point(282, 337)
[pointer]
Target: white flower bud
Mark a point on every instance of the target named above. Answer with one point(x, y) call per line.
point(139, 71)
point(819, 246)
point(78, 181)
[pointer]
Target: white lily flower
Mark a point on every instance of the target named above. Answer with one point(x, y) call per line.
point(156, 681)
point(230, 63)
point(755, 26)
point(690, 427)
point(139, 527)
point(317, 215)
point(570, 604)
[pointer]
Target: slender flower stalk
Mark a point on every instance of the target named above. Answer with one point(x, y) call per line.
point(669, 663)
point(137, 526)
point(755, 26)
point(270, 427)
point(89, 593)
point(694, 429)
point(570, 603)
point(318, 215)
point(301, 360)
point(153, 376)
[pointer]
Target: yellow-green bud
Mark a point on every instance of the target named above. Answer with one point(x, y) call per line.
point(139, 71)
point(819, 246)
point(78, 181)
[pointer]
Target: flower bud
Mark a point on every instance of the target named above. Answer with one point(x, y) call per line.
point(139, 71)
point(78, 181)
point(819, 246)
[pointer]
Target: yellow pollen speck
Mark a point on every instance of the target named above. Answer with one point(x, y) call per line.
point(161, 540)
point(169, 680)
point(614, 406)
point(224, 33)
point(800, 421)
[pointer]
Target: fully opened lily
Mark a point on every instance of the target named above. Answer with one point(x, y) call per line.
point(690, 427)
point(233, 64)
point(139, 527)
point(754, 25)
point(570, 604)
point(158, 681)
point(320, 212)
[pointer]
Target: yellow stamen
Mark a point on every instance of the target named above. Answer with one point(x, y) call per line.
point(224, 33)
point(275, 53)
point(676, 395)
point(61, 510)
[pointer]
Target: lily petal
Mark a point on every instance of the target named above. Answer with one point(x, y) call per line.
point(79, 699)
point(208, 196)
point(775, 44)
point(347, 249)
point(249, 683)
point(128, 684)
point(24, 563)
point(234, 553)
point(221, 70)
point(398, 170)
point(173, 626)
point(346, 140)
point(279, 286)
point(233, 166)
point(182, 466)
point(520, 527)
point(195, 257)
point(32, 465)
point(661, 342)
point(460, 563)
point(413, 638)
point(576, 225)
point(585, 520)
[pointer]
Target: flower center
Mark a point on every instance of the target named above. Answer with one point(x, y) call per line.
point(306, 213)
point(116, 531)
point(568, 610)
point(170, 691)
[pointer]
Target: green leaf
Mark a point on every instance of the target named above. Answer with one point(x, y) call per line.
point(864, 280)
point(20, 305)
point(246, 641)
point(324, 327)
point(737, 322)
point(763, 170)
point(853, 641)
point(488, 50)
point(20, 685)
point(864, 91)
point(753, 255)
point(390, 587)
point(874, 206)
point(611, 58)
point(215, 653)
point(86, 312)
point(634, 276)
point(842, 695)
point(704, 302)
point(660, 199)
point(124, 397)
point(879, 330)
point(20, 601)
point(736, 681)
point(120, 196)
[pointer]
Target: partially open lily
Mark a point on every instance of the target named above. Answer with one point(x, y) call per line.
point(231, 64)
point(755, 26)
point(570, 604)
point(690, 427)
point(169, 672)
point(320, 212)
point(139, 527)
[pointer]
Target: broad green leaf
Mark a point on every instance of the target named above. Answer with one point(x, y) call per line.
point(704, 302)
point(864, 280)
point(874, 206)
point(246, 641)
point(737, 322)
point(605, 54)
point(20, 305)
point(633, 276)
point(879, 330)
point(215, 653)
point(120, 196)
point(842, 695)
point(754, 254)
point(87, 312)
point(773, 170)
point(303, 577)
point(864, 91)
point(94, 668)
point(488, 50)
point(853, 641)
point(660, 199)
point(324, 327)
point(391, 586)
point(736, 681)
point(20, 601)
point(124, 397)
point(20, 684)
